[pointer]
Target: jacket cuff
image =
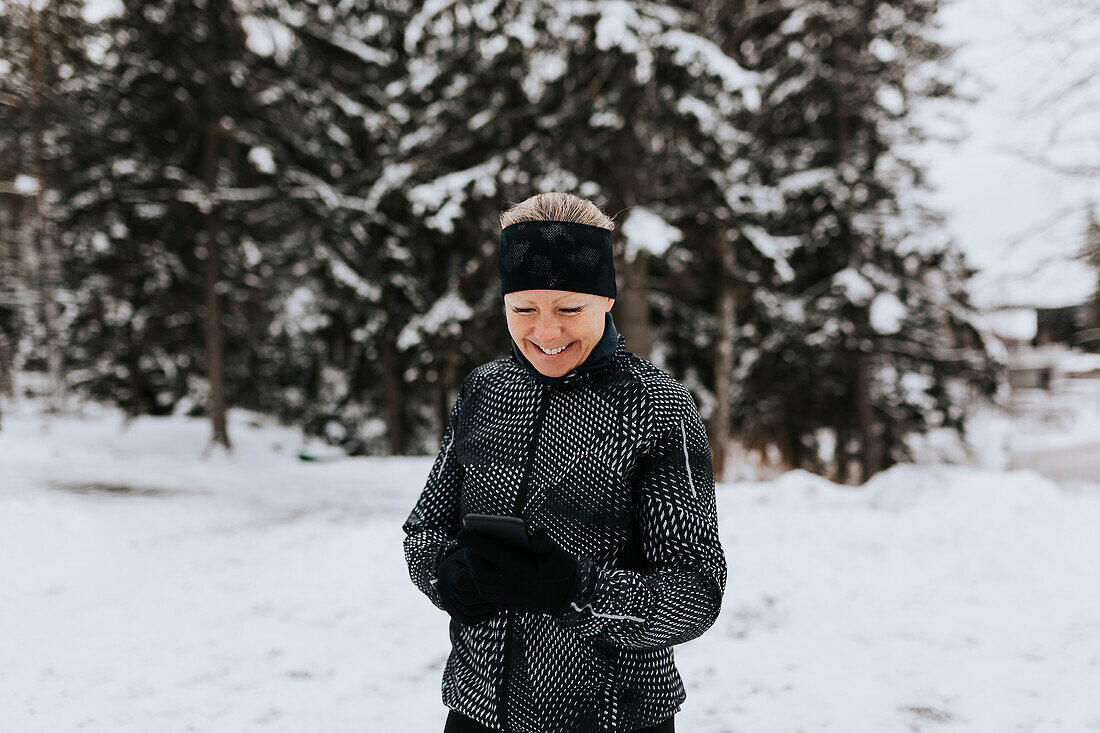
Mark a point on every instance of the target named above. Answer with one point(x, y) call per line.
point(450, 547)
point(445, 550)
point(581, 594)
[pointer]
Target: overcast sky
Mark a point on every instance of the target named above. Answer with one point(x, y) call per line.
point(1016, 220)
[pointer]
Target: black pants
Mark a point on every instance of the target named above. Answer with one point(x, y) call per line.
point(459, 723)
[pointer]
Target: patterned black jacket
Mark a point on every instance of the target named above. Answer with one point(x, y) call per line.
point(614, 463)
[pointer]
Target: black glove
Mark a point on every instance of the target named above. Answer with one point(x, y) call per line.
point(540, 581)
point(458, 594)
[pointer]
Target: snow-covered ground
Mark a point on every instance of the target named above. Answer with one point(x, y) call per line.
point(144, 588)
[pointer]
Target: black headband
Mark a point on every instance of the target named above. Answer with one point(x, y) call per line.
point(556, 255)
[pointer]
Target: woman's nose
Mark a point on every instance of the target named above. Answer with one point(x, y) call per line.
point(546, 331)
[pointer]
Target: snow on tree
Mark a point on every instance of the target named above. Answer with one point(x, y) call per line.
point(42, 61)
point(873, 337)
point(350, 159)
point(634, 105)
point(166, 212)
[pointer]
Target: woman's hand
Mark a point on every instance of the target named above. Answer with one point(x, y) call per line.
point(458, 593)
point(539, 581)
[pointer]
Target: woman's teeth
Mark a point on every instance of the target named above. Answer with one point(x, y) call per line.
point(555, 351)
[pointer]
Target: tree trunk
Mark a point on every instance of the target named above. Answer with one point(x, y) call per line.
point(7, 366)
point(215, 372)
point(46, 269)
point(868, 435)
point(723, 353)
point(391, 383)
point(632, 303)
point(1094, 321)
point(447, 378)
point(633, 307)
point(6, 386)
point(860, 359)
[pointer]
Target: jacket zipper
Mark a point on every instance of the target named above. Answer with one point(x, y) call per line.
point(544, 399)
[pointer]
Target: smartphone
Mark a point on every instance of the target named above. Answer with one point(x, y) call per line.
point(511, 530)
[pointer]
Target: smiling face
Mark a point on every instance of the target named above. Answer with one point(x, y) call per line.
point(552, 319)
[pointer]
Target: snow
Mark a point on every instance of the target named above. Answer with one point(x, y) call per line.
point(522, 30)
point(267, 37)
point(100, 242)
point(812, 178)
point(887, 313)
point(25, 185)
point(713, 117)
point(609, 118)
point(301, 313)
point(1080, 362)
point(491, 47)
point(150, 210)
point(621, 26)
point(854, 284)
point(696, 53)
point(643, 29)
point(882, 49)
point(777, 249)
point(392, 177)
point(96, 11)
point(338, 136)
point(891, 100)
point(262, 157)
point(446, 195)
point(350, 107)
point(645, 231)
point(124, 167)
point(916, 389)
point(360, 50)
point(415, 29)
point(1013, 323)
point(149, 588)
point(1065, 417)
point(444, 318)
point(543, 69)
point(365, 289)
point(796, 21)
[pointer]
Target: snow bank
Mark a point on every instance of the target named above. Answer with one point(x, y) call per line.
point(148, 588)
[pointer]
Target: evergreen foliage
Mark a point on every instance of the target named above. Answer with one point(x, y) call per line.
point(363, 149)
point(872, 338)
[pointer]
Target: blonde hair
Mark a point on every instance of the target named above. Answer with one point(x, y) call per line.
point(557, 206)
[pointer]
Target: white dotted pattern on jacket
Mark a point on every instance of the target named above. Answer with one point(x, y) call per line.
point(615, 465)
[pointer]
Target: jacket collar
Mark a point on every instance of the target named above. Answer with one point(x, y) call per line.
point(610, 344)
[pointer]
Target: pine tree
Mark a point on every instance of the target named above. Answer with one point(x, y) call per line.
point(167, 200)
point(340, 74)
point(41, 60)
point(874, 338)
point(637, 109)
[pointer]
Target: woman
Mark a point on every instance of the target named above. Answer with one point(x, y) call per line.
point(606, 459)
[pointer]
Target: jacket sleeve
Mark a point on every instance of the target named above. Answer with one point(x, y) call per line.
point(432, 525)
point(679, 594)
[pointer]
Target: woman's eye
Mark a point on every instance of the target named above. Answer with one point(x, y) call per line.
point(563, 310)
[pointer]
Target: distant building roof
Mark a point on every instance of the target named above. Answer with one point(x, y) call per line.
point(1020, 324)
